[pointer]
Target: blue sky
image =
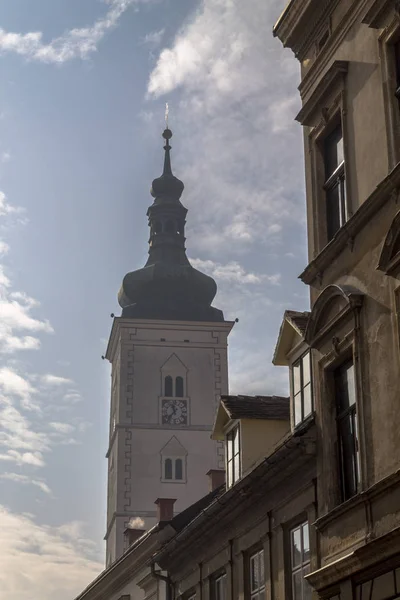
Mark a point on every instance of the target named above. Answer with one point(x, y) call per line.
point(84, 86)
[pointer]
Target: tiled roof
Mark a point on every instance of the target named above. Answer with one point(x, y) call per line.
point(299, 319)
point(257, 407)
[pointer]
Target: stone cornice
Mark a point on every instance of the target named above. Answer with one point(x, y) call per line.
point(299, 21)
point(334, 75)
point(119, 323)
point(347, 234)
point(376, 12)
point(327, 53)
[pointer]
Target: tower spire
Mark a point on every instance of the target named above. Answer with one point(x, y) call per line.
point(167, 135)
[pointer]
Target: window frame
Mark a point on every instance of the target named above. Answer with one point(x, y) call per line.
point(305, 565)
point(296, 363)
point(215, 579)
point(256, 593)
point(231, 477)
point(343, 416)
point(173, 460)
point(388, 41)
point(335, 179)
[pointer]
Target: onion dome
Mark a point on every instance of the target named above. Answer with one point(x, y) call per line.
point(168, 287)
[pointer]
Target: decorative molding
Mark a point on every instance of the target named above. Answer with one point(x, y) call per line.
point(347, 299)
point(363, 215)
point(389, 260)
point(332, 79)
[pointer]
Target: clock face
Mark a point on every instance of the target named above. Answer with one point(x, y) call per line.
point(174, 412)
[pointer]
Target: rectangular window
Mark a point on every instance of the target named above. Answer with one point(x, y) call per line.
point(335, 184)
point(219, 588)
point(257, 576)
point(300, 562)
point(302, 389)
point(233, 467)
point(346, 416)
point(397, 62)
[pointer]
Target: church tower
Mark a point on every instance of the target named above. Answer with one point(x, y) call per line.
point(168, 352)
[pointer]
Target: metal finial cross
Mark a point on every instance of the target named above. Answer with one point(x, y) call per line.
point(166, 114)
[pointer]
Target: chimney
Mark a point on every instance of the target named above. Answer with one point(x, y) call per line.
point(132, 535)
point(165, 508)
point(216, 478)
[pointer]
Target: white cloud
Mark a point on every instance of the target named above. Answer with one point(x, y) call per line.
point(154, 38)
point(4, 247)
point(232, 272)
point(62, 427)
point(57, 561)
point(16, 320)
point(14, 384)
point(76, 43)
point(237, 149)
point(24, 479)
point(55, 380)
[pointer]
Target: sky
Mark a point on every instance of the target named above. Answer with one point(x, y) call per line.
point(83, 90)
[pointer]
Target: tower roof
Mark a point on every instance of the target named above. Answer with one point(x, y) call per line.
point(168, 287)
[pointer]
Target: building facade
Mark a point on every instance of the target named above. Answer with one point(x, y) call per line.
point(168, 352)
point(349, 51)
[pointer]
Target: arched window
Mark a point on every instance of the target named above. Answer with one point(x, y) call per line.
point(168, 386)
point(170, 227)
point(168, 468)
point(178, 469)
point(179, 387)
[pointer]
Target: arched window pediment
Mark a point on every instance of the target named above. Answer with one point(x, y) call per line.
point(332, 304)
point(389, 260)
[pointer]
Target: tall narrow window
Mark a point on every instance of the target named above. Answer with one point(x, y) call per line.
point(335, 184)
point(219, 588)
point(233, 467)
point(300, 562)
point(168, 468)
point(346, 416)
point(179, 387)
point(168, 391)
point(257, 576)
point(397, 59)
point(302, 390)
point(178, 469)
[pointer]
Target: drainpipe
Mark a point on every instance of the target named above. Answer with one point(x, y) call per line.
point(165, 578)
point(231, 564)
point(271, 574)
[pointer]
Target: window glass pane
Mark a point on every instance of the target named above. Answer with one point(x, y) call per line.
point(297, 585)
point(168, 468)
point(307, 402)
point(344, 387)
point(296, 547)
point(179, 387)
point(236, 440)
point(306, 543)
point(254, 574)
point(333, 151)
point(306, 369)
point(348, 458)
point(229, 447)
point(236, 467)
point(296, 378)
point(178, 469)
point(262, 570)
point(333, 210)
point(168, 386)
point(306, 586)
point(297, 409)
